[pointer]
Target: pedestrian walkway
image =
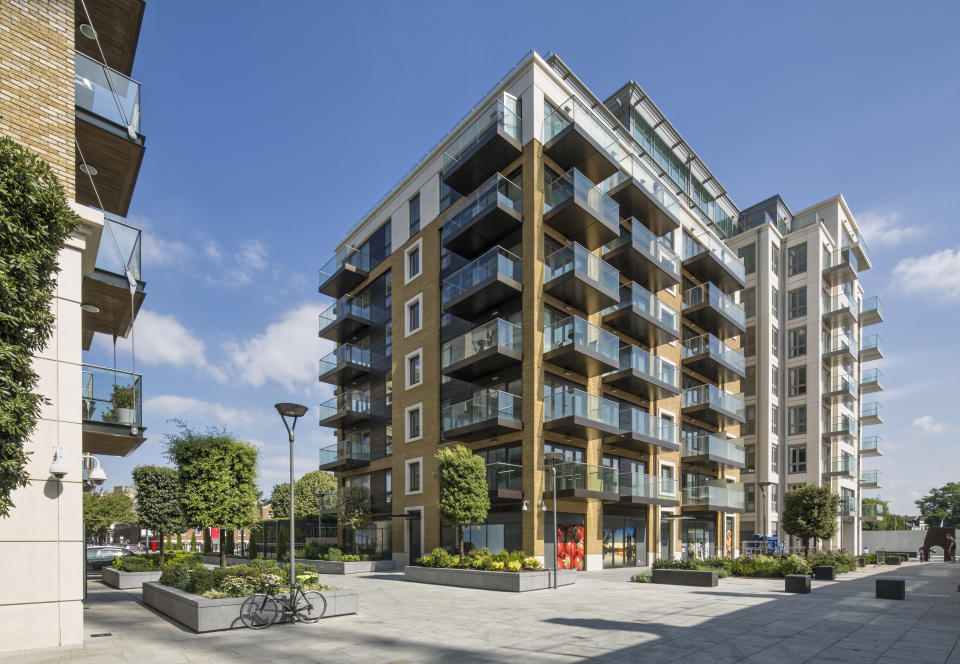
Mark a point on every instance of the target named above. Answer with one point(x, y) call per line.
point(596, 620)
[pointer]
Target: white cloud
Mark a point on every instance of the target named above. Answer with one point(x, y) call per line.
point(937, 273)
point(162, 339)
point(200, 412)
point(158, 252)
point(928, 424)
point(237, 268)
point(883, 228)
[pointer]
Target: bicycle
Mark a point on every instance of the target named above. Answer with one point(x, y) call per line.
point(261, 610)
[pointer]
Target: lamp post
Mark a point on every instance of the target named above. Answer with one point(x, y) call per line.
point(554, 458)
point(766, 512)
point(294, 411)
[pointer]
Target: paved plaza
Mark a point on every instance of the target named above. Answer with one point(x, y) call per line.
point(603, 618)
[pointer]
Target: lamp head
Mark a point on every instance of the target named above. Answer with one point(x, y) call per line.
point(292, 410)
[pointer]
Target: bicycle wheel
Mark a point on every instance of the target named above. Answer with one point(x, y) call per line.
point(311, 606)
point(259, 611)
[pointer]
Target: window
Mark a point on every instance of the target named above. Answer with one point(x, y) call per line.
point(414, 318)
point(667, 484)
point(798, 459)
point(798, 303)
point(388, 487)
point(749, 302)
point(775, 341)
point(774, 500)
point(388, 441)
point(750, 426)
point(414, 369)
point(775, 302)
point(415, 215)
point(751, 457)
point(797, 420)
point(775, 420)
point(388, 339)
point(388, 389)
point(775, 458)
point(750, 345)
point(414, 470)
point(797, 342)
point(448, 196)
point(798, 380)
point(775, 381)
point(414, 417)
point(797, 259)
point(748, 255)
point(775, 258)
point(750, 497)
point(412, 265)
point(750, 381)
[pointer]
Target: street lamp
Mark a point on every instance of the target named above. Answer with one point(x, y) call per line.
point(554, 458)
point(294, 411)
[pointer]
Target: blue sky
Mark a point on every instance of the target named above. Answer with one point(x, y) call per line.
point(271, 132)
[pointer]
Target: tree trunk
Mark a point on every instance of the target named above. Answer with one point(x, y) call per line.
point(161, 549)
point(223, 548)
point(460, 539)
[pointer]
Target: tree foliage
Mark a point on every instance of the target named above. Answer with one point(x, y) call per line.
point(158, 501)
point(218, 476)
point(35, 220)
point(353, 507)
point(102, 510)
point(889, 521)
point(464, 496)
point(811, 511)
point(942, 504)
point(304, 495)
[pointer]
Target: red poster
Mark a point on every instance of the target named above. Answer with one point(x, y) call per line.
point(214, 533)
point(570, 550)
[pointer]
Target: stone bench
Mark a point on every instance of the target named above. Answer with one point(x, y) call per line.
point(825, 573)
point(796, 583)
point(891, 588)
point(686, 577)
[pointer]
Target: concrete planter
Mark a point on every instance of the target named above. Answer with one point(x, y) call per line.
point(125, 580)
point(825, 573)
point(515, 582)
point(796, 583)
point(686, 577)
point(208, 615)
point(340, 567)
point(231, 560)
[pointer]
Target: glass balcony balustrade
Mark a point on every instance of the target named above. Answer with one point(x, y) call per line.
point(107, 94)
point(871, 381)
point(575, 206)
point(731, 275)
point(486, 406)
point(648, 251)
point(352, 450)
point(842, 306)
point(119, 251)
point(666, 215)
point(841, 465)
point(576, 258)
point(576, 477)
point(576, 332)
point(871, 311)
point(111, 396)
point(574, 113)
point(718, 301)
point(711, 346)
point(643, 488)
point(498, 262)
point(638, 425)
point(870, 446)
point(345, 271)
point(848, 506)
point(495, 116)
point(843, 258)
point(347, 315)
point(840, 343)
point(714, 398)
point(871, 479)
point(714, 448)
point(843, 425)
point(720, 498)
point(345, 359)
point(841, 386)
point(871, 348)
point(872, 512)
point(565, 403)
point(488, 214)
point(496, 336)
point(871, 413)
point(643, 316)
point(638, 366)
point(345, 406)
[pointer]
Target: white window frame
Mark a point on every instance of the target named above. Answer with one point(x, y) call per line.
point(676, 479)
point(418, 245)
point(416, 299)
point(407, 438)
point(406, 475)
point(406, 369)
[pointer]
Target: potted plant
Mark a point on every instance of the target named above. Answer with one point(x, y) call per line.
point(123, 401)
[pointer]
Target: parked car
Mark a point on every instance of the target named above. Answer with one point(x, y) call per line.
point(99, 557)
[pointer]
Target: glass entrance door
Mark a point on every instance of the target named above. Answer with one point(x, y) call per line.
point(666, 544)
point(623, 541)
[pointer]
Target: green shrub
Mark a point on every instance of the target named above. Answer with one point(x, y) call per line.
point(135, 564)
point(350, 558)
point(793, 564)
point(643, 577)
point(333, 553)
point(176, 575)
point(425, 561)
point(531, 563)
point(722, 572)
point(670, 563)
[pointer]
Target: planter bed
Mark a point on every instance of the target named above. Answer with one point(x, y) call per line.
point(116, 578)
point(686, 577)
point(341, 567)
point(208, 615)
point(516, 582)
point(231, 560)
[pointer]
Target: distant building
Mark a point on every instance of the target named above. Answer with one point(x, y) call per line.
point(916, 522)
point(129, 491)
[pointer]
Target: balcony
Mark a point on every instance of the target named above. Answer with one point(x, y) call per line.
point(582, 480)
point(107, 287)
point(871, 348)
point(860, 250)
point(345, 364)
point(726, 498)
point(710, 404)
point(348, 268)
point(643, 316)
point(345, 318)
point(575, 413)
point(643, 257)
point(644, 375)
point(840, 349)
point(353, 452)
point(872, 512)
point(871, 413)
point(577, 208)
point(575, 344)
point(848, 508)
point(871, 312)
point(581, 279)
point(870, 381)
point(345, 409)
point(488, 413)
point(841, 466)
point(118, 30)
point(838, 389)
point(706, 448)
point(840, 426)
point(713, 359)
point(505, 481)
point(839, 267)
point(709, 260)
point(870, 446)
point(645, 433)
point(482, 284)
point(575, 138)
point(840, 310)
point(640, 194)
point(490, 143)
point(639, 489)
point(107, 107)
point(112, 411)
point(483, 218)
point(482, 351)
point(329, 500)
point(870, 479)
point(713, 311)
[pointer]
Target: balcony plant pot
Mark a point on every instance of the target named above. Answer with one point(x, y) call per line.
point(123, 401)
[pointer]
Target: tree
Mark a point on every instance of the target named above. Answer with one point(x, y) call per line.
point(811, 511)
point(179, 542)
point(942, 504)
point(35, 220)
point(193, 540)
point(252, 544)
point(304, 494)
point(353, 507)
point(218, 476)
point(888, 521)
point(158, 502)
point(464, 496)
point(207, 544)
point(103, 510)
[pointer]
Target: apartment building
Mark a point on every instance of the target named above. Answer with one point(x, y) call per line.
point(808, 417)
point(548, 286)
point(67, 96)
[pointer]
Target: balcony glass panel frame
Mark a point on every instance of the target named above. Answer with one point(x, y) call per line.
point(107, 94)
point(712, 347)
point(714, 448)
point(727, 498)
point(486, 412)
point(104, 390)
point(707, 294)
point(496, 193)
point(634, 170)
point(496, 115)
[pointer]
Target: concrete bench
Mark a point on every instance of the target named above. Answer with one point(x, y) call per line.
point(796, 583)
point(686, 577)
point(891, 588)
point(825, 573)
